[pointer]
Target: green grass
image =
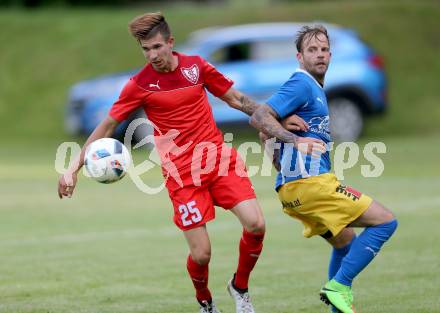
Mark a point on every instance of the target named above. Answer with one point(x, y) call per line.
point(113, 249)
point(46, 51)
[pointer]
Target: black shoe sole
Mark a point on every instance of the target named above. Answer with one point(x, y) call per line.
point(323, 298)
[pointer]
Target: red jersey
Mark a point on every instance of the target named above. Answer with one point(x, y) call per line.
point(177, 104)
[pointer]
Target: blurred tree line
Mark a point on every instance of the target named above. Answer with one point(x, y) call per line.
point(42, 3)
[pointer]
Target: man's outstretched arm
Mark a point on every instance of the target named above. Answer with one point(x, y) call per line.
point(67, 182)
point(240, 101)
point(265, 119)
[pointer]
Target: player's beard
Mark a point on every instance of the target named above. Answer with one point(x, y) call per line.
point(318, 74)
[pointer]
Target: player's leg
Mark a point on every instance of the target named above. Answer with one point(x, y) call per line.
point(316, 202)
point(341, 244)
point(233, 191)
point(380, 225)
point(338, 297)
point(198, 265)
point(193, 208)
point(376, 214)
point(339, 206)
point(251, 243)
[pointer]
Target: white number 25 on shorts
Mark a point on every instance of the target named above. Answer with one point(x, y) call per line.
point(189, 213)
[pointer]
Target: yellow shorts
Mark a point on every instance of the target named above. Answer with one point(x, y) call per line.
point(322, 204)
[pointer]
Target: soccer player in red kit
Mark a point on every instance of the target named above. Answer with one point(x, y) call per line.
point(202, 170)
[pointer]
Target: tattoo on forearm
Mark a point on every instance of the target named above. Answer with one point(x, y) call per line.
point(248, 105)
point(266, 122)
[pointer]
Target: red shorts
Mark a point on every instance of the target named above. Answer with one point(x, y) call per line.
point(194, 205)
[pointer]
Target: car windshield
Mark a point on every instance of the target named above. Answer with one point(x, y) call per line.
point(260, 50)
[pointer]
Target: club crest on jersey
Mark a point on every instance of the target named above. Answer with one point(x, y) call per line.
point(191, 73)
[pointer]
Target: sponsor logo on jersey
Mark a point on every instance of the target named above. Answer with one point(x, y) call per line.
point(191, 73)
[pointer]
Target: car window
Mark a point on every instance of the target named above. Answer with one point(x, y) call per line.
point(255, 51)
point(232, 53)
point(273, 49)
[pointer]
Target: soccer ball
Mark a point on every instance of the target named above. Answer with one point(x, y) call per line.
point(107, 160)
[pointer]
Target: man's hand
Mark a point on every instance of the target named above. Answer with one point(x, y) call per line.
point(263, 137)
point(66, 184)
point(295, 123)
point(309, 145)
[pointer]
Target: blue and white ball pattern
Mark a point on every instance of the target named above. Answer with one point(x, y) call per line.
point(107, 160)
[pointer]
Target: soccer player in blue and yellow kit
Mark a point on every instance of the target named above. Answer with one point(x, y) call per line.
point(306, 188)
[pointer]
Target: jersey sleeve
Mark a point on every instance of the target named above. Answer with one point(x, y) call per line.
point(130, 98)
point(214, 81)
point(292, 95)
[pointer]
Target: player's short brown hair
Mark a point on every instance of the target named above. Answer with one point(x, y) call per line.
point(307, 33)
point(149, 25)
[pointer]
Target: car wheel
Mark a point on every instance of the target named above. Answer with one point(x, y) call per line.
point(346, 120)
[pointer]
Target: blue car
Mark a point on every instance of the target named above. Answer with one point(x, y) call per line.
point(259, 58)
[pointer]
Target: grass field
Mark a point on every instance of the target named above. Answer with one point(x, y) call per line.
point(113, 249)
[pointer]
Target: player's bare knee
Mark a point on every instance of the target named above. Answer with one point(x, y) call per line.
point(375, 215)
point(386, 215)
point(201, 257)
point(389, 216)
point(256, 227)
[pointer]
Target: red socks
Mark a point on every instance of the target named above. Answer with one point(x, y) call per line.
point(199, 277)
point(250, 248)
